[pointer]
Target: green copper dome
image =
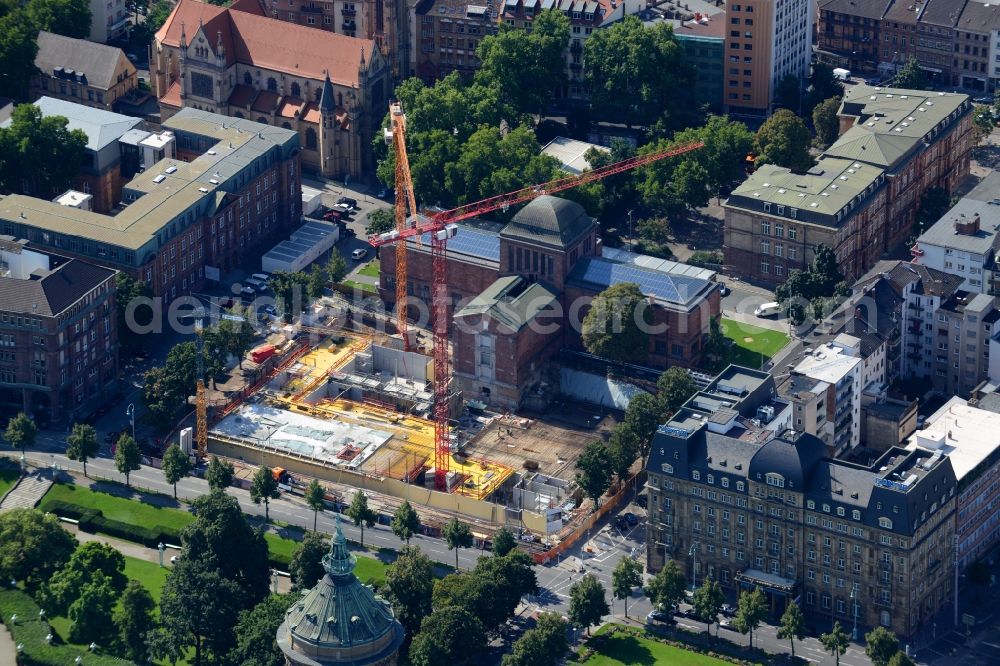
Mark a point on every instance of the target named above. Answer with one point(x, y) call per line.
point(340, 621)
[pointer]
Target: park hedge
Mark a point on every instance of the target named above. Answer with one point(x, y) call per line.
point(93, 520)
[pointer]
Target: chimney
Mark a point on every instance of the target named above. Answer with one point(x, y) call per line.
point(967, 227)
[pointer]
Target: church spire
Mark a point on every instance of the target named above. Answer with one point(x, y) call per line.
point(326, 101)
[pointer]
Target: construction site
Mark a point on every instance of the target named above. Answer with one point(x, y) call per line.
point(387, 415)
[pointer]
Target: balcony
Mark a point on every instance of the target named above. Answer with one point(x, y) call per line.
point(348, 12)
point(310, 9)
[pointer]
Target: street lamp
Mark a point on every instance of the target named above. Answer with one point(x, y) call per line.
point(854, 603)
point(130, 412)
point(693, 552)
point(161, 548)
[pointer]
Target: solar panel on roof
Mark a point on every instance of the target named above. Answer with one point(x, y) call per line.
point(472, 242)
point(675, 288)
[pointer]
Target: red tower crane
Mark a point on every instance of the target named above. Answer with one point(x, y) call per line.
point(441, 226)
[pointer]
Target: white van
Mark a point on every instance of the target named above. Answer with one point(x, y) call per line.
point(767, 310)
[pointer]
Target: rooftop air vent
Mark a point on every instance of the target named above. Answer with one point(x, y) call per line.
point(159, 179)
point(170, 169)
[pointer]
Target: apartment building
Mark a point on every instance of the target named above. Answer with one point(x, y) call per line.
point(82, 72)
point(58, 333)
point(767, 41)
point(704, 42)
point(387, 23)
point(232, 191)
point(967, 435)
point(954, 41)
point(109, 20)
point(861, 197)
point(756, 504)
point(585, 17)
point(448, 33)
point(964, 242)
point(331, 89)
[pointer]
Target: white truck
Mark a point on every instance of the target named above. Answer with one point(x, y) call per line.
point(842, 74)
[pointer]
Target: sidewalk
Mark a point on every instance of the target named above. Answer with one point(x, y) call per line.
point(8, 651)
point(780, 325)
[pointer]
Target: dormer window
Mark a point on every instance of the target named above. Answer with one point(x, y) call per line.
point(667, 468)
point(775, 480)
point(810, 504)
point(885, 523)
point(710, 479)
point(856, 515)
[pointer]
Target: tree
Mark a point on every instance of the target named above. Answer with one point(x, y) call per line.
point(587, 603)
point(33, 546)
point(826, 122)
point(409, 587)
point(63, 17)
point(199, 609)
point(667, 587)
point(256, 632)
point(623, 449)
point(457, 535)
point(934, 203)
point(264, 487)
point(593, 471)
point(750, 612)
point(316, 282)
point(526, 67)
point(222, 534)
point(793, 625)
point(642, 417)
point(822, 85)
point(503, 541)
point(880, 646)
point(615, 327)
point(821, 280)
point(674, 388)
point(134, 301)
point(315, 497)
point(625, 578)
point(361, 514)
point(910, 76)
point(511, 577)
point(336, 267)
point(901, 659)
point(405, 522)
point(21, 432)
point(90, 559)
point(127, 456)
point(639, 75)
point(306, 565)
point(81, 444)
point(716, 352)
point(91, 612)
point(448, 637)
point(982, 122)
point(707, 602)
point(784, 140)
point(176, 465)
point(133, 621)
point(788, 93)
point(219, 474)
point(542, 646)
point(167, 389)
point(18, 49)
point(836, 641)
point(380, 221)
point(40, 154)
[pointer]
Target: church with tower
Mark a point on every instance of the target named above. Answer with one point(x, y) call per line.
point(330, 88)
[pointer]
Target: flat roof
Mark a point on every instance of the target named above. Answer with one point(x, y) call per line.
point(827, 363)
point(570, 153)
point(101, 127)
point(942, 233)
point(965, 434)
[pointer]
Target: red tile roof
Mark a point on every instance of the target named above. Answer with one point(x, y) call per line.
point(266, 101)
point(241, 96)
point(269, 43)
point(289, 107)
point(172, 96)
point(311, 113)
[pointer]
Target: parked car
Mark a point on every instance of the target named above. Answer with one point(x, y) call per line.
point(383, 193)
point(728, 610)
point(725, 622)
point(724, 290)
point(658, 616)
point(343, 209)
point(631, 519)
point(262, 277)
point(348, 201)
point(767, 309)
point(359, 254)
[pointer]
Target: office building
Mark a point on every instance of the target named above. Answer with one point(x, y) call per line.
point(861, 197)
point(58, 334)
point(766, 41)
point(232, 191)
point(738, 496)
point(448, 34)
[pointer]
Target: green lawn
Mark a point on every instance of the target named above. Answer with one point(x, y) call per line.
point(150, 574)
point(626, 650)
point(368, 570)
point(752, 345)
point(362, 286)
point(118, 508)
point(371, 269)
point(8, 475)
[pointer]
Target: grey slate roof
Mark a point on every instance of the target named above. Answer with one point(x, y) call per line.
point(52, 292)
point(550, 220)
point(793, 457)
point(97, 61)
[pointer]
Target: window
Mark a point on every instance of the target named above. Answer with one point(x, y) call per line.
point(885, 523)
point(696, 475)
point(667, 468)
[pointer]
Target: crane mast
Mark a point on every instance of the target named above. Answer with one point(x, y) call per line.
point(441, 226)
